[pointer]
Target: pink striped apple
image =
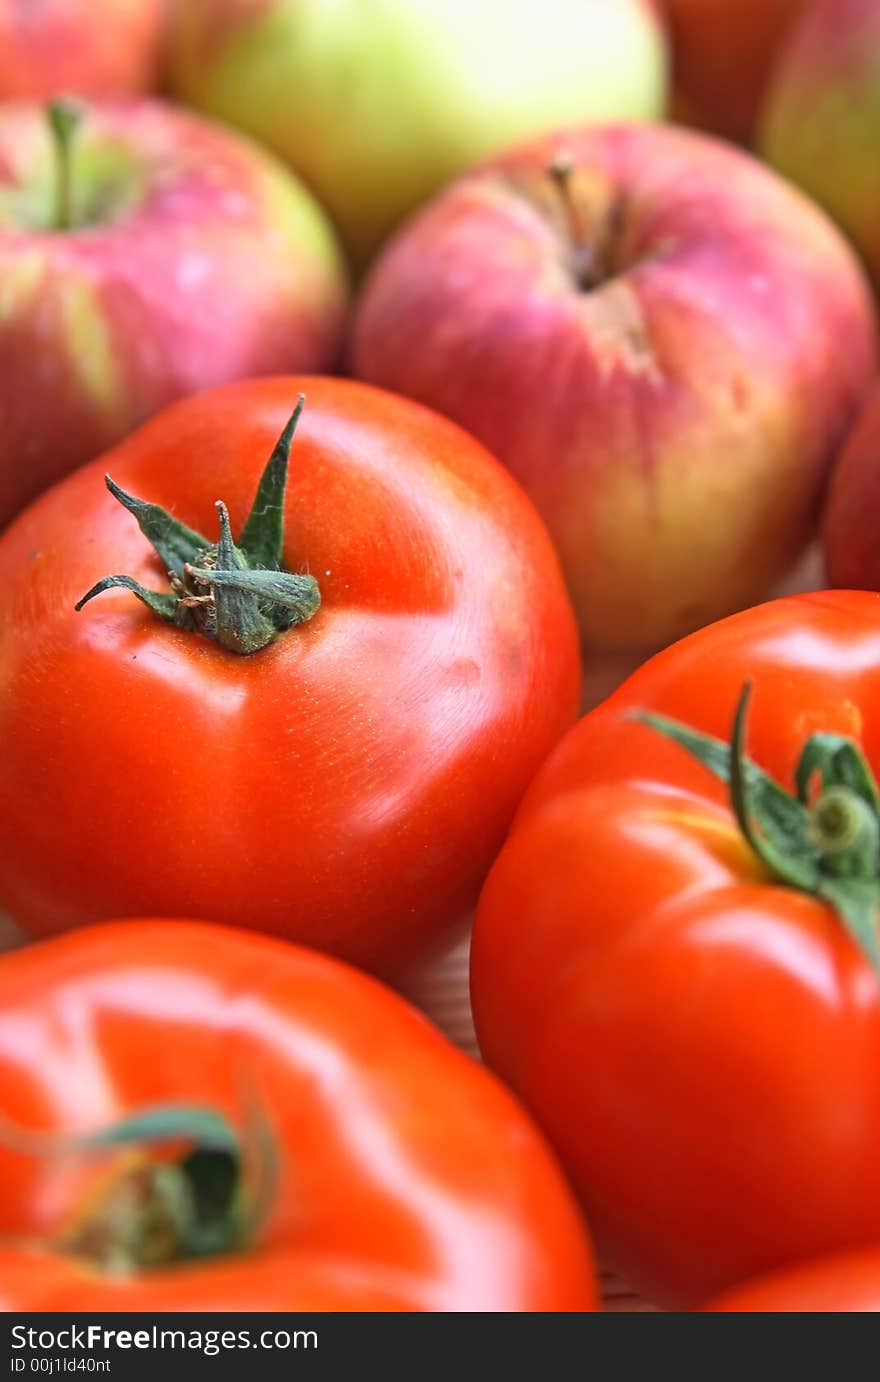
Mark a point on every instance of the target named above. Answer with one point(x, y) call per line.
point(153, 256)
point(661, 339)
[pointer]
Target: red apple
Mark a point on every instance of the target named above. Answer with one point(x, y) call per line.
point(851, 528)
point(660, 338)
point(723, 51)
point(191, 258)
point(821, 123)
point(92, 47)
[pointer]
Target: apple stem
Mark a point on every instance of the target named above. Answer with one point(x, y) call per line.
point(593, 255)
point(561, 170)
point(63, 117)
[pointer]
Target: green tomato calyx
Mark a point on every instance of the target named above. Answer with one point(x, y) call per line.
point(824, 838)
point(234, 593)
point(205, 1195)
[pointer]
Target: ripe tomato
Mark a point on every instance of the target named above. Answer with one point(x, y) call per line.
point(848, 1284)
point(700, 1041)
point(349, 784)
point(323, 1146)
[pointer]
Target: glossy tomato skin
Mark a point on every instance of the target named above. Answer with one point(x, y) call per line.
point(849, 1284)
point(347, 786)
point(701, 1046)
point(407, 1177)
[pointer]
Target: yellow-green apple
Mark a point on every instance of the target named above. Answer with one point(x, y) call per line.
point(145, 256)
point(662, 340)
point(92, 47)
point(821, 123)
point(376, 103)
point(723, 51)
point(851, 525)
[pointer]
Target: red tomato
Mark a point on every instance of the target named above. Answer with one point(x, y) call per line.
point(849, 1284)
point(348, 785)
point(700, 1042)
point(400, 1174)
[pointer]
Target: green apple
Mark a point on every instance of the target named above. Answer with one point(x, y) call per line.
point(376, 103)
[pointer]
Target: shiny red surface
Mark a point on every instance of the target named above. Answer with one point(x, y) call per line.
point(349, 785)
point(702, 1046)
point(408, 1179)
point(841, 1285)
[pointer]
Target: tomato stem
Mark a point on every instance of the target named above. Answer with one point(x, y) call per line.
point(236, 594)
point(148, 1212)
point(824, 839)
point(842, 823)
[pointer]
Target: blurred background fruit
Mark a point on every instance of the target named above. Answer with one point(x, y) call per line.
point(662, 340)
point(378, 102)
point(851, 530)
point(192, 257)
point(92, 47)
point(821, 124)
point(722, 54)
point(848, 1283)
